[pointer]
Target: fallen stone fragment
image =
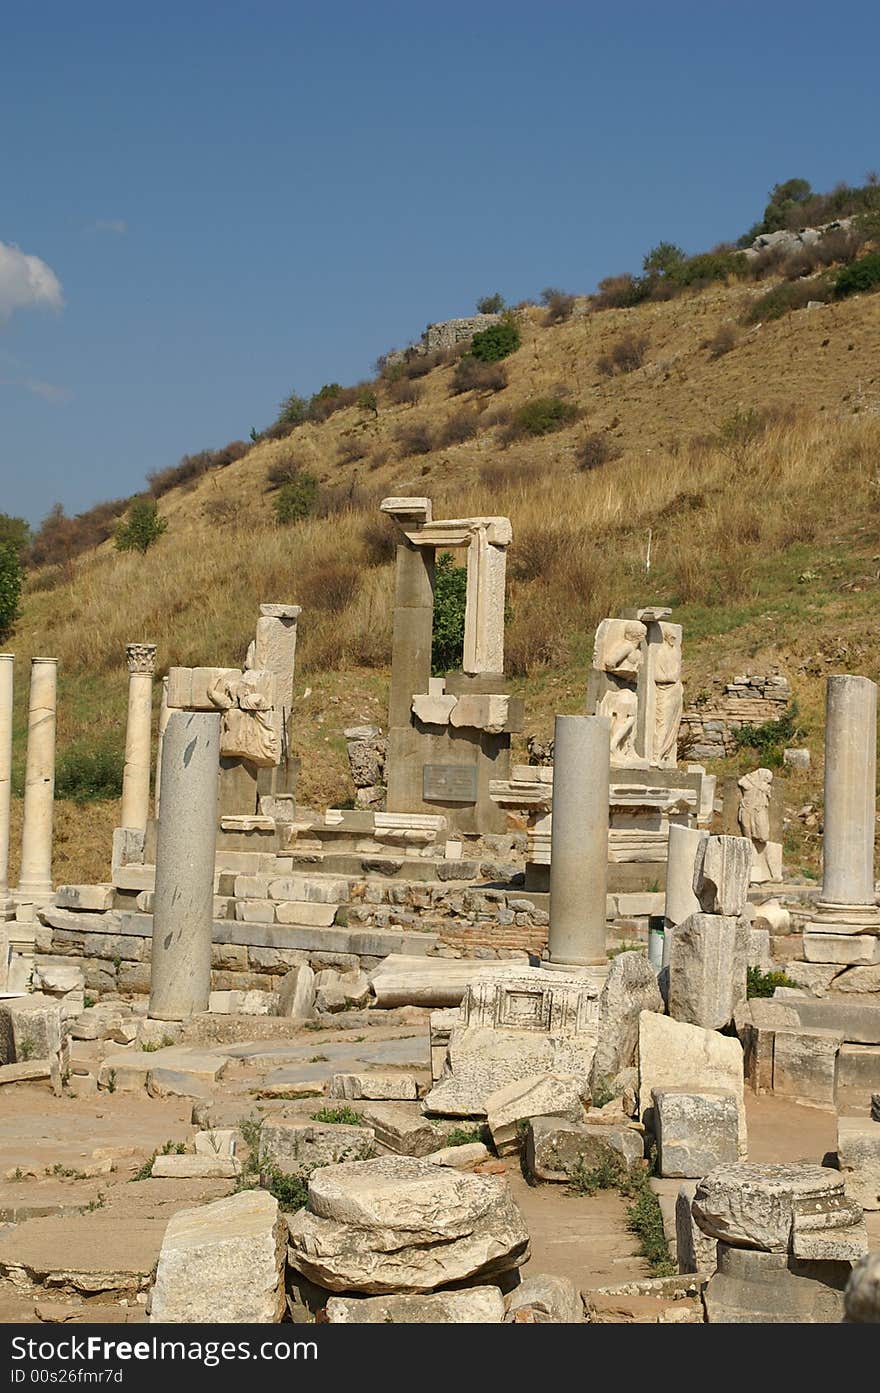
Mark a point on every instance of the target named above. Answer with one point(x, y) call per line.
point(375, 1086)
point(402, 1130)
point(753, 1206)
point(630, 987)
point(673, 1054)
point(543, 1299)
point(297, 1148)
point(216, 1142)
point(862, 1298)
point(189, 1167)
point(556, 1150)
point(222, 1263)
point(401, 1224)
point(479, 1306)
point(542, 1095)
point(695, 1131)
point(461, 1158)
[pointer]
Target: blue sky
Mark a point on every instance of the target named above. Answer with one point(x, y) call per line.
point(236, 201)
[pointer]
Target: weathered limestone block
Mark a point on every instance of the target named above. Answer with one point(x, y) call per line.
point(756, 1022)
point(482, 1060)
point(839, 1235)
point(58, 979)
point(862, 1298)
point(708, 960)
point(695, 1131)
point(858, 1155)
point(753, 1206)
point(673, 1054)
point(108, 1022)
point(805, 1064)
point(630, 987)
point(555, 1148)
point(296, 993)
point(721, 874)
point(216, 1141)
point(543, 1299)
point(188, 1167)
point(222, 1263)
point(695, 1251)
point(91, 898)
point(402, 1129)
point(298, 1148)
point(540, 1095)
point(479, 1306)
point(861, 949)
point(31, 1027)
point(752, 1287)
point(375, 1086)
point(461, 1158)
point(403, 1225)
point(235, 1003)
point(773, 916)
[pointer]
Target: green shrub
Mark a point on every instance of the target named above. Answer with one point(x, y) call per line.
point(760, 983)
point(473, 376)
point(10, 586)
point(770, 739)
point(296, 499)
point(15, 532)
point(291, 1191)
point(141, 527)
point(344, 1114)
point(497, 342)
point(293, 412)
point(89, 774)
point(541, 416)
point(707, 267)
point(467, 1136)
point(663, 260)
point(450, 594)
point(860, 275)
point(782, 299)
point(490, 304)
point(368, 401)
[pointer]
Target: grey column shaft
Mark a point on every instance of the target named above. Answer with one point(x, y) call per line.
point(681, 857)
point(183, 905)
point(579, 839)
point(850, 791)
point(6, 668)
point(35, 877)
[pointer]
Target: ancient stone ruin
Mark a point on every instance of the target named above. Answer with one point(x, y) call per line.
point(359, 1054)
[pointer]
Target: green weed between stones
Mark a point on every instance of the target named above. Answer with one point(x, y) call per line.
point(643, 1215)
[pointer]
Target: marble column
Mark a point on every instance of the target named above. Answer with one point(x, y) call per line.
point(141, 659)
point(6, 667)
point(848, 904)
point(6, 766)
point(164, 712)
point(410, 673)
point(579, 839)
point(680, 861)
point(183, 904)
point(35, 878)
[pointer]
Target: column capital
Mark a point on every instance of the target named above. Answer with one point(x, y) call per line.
point(141, 658)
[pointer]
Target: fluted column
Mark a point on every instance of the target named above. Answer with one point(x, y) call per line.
point(6, 666)
point(39, 782)
point(141, 659)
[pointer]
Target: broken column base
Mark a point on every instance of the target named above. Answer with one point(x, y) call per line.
point(755, 1288)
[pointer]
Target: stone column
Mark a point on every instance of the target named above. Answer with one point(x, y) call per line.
point(410, 673)
point(141, 659)
point(164, 712)
point(6, 666)
point(35, 878)
point(848, 904)
point(183, 905)
point(579, 839)
point(680, 861)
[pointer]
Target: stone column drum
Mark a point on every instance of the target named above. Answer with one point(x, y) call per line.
point(164, 713)
point(35, 879)
point(141, 659)
point(6, 667)
point(183, 905)
point(579, 839)
point(848, 904)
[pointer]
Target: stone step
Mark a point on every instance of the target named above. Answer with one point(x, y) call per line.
point(363, 942)
point(415, 868)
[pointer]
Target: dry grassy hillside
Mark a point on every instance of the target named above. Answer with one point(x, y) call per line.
point(757, 471)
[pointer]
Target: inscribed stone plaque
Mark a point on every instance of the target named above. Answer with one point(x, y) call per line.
point(449, 783)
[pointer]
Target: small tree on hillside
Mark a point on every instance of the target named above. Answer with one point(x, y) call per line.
point(15, 531)
point(450, 596)
point(490, 304)
point(141, 527)
point(10, 586)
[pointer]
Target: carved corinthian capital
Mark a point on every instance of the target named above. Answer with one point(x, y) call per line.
point(141, 658)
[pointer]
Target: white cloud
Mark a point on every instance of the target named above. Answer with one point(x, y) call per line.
point(117, 225)
point(25, 282)
point(47, 391)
